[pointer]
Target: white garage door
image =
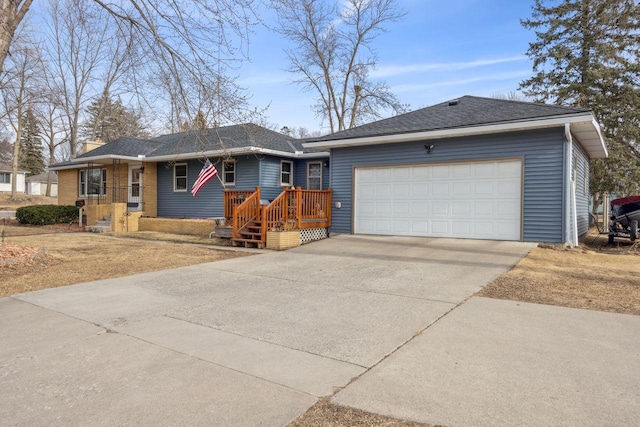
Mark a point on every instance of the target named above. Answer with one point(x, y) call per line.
point(467, 200)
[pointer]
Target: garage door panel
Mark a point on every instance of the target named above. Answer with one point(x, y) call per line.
point(383, 175)
point(460, 228)
point(383, 209)
point(440, 189)
point(484, 170)
point(401, 190)
point(440, 228)
point(469, 200)
point(401, 209)
point(419, 189)
point(419, 227)
point(461, 171)
point(440, 208)
point(462, 188)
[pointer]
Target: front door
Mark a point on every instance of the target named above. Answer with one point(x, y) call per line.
point(135, 188)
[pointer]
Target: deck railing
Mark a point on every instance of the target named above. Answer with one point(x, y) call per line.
point(247, 211)
point(296, 208)
point(234, 198)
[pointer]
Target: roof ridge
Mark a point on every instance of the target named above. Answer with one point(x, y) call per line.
point(516, 101)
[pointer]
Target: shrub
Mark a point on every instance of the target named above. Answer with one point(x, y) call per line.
point(46, 214)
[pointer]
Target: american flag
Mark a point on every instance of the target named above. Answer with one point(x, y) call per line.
point(206, 174)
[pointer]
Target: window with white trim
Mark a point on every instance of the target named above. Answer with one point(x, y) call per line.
point(286, 173)
point(5, 177)
point(180, 172)
point(229, 172)
point(314, 176)
point(92, 182)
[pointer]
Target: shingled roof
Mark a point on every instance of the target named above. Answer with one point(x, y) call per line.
point(227, 137)
point(462, 112)
point(237, 137)
point(123, 146)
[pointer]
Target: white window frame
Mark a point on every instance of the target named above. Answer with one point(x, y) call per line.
point(288, 183)
point(83, 185)
point(176, 189)
point(229, 171)
point(309, 176)
point(5, 174)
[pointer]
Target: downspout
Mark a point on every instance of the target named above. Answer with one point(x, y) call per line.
point(571, 220)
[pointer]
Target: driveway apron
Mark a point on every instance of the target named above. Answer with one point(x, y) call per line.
point(245, 341)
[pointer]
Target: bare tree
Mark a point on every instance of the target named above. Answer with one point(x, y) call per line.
point(12, 12)
point(76, 51)
point(333, 56)
point(511, 95)
point(18, 93)
point(191, 47)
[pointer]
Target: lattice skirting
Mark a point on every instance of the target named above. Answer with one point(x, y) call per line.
point(311, 234)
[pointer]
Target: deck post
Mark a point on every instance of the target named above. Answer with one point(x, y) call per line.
point(329, 201)
point(299, 207)
point(263, 224)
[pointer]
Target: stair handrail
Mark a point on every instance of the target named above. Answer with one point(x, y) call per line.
point(247, 211)
point(275, 213)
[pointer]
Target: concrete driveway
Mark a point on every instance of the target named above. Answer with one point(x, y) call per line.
point(246, 341)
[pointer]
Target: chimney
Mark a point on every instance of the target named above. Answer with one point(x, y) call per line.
point(91, 145)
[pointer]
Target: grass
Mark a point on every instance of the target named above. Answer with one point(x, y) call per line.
point(79, 257)
point(594, 276)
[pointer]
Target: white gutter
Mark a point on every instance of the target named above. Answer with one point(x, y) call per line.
point(106, 157)
point(455, 132)
point(65, 167)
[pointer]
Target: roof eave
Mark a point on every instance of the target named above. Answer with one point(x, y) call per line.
point(595, 148)
point(104, 157)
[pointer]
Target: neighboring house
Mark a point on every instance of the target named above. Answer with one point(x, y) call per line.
point(469, 168)
point(154, 177)
point(37, 184)
point(5, 179)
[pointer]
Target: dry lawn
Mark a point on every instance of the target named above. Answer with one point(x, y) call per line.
point(79, 257)
point(10, 204)
point(593, 277)
point(325, 414)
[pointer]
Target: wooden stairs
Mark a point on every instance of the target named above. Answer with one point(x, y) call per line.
point(250, 236)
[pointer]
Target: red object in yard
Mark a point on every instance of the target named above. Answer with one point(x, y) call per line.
point(625, 200)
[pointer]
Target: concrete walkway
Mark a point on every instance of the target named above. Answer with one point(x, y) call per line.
point(504, 363)
point(245, 341)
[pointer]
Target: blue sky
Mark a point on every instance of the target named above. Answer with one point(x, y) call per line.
point(440, 51)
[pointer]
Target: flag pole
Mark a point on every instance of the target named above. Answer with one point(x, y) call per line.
point(221, 183)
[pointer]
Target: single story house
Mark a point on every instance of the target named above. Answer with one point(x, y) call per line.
point(5, 178)
point(471, 167)
point(153, 177)
point(37, 184)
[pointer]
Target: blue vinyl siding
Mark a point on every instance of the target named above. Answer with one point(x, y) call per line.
point(270, 186)
point(209, 201)
point(582, 189)
point(541, 150)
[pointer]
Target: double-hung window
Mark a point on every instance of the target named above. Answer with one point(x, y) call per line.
point(5, 177)
point(180, 177)
point(92, 182)
point(286, 173)
point(314, 176)
point(229, 172)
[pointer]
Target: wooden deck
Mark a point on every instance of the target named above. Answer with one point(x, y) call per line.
point(293, 209)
